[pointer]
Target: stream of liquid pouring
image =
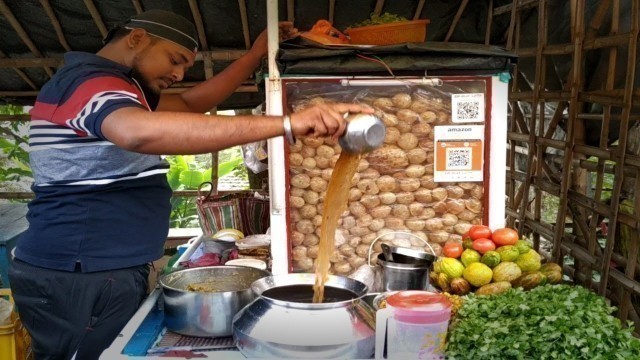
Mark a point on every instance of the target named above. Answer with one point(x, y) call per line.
point(335, 203)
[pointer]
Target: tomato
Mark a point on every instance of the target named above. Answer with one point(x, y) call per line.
point(452, 249)
point(482, 245)
point(479, 231)
point(505, 236)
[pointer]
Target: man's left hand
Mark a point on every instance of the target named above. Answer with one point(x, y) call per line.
point(287, 31)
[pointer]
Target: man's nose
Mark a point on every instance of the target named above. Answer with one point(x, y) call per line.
point(178, 74)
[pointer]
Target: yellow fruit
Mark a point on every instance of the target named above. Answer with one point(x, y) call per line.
point(529, 261)
point(494, 288)
point(506, 271)
point(452, 267)
point(477, 274)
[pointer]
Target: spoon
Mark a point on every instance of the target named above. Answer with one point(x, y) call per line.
point(386, 250)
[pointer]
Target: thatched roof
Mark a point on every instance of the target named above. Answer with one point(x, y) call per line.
point(36, 33)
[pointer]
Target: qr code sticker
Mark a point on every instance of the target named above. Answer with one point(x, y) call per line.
point(467, 108)
point(458, 159)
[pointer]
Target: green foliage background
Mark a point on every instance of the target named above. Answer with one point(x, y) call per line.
point(14, 164)
point(187, 172)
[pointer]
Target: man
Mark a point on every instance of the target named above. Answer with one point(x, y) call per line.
point(101, 210)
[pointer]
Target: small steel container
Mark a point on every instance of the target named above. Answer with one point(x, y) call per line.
point(364, 133)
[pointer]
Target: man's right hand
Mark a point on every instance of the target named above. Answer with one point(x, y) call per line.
point(324, 119)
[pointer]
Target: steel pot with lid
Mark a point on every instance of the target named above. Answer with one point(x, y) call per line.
point(282, 322)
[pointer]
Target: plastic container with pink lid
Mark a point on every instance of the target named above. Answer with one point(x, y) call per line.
point(413, 326)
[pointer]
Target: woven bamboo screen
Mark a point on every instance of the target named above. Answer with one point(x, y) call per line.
point(573, 157)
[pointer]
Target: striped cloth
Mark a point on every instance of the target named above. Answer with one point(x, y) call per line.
point(241, 211)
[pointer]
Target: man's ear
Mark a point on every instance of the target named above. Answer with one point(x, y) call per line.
point(135, 37)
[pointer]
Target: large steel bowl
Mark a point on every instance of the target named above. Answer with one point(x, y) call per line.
point(207, 313)
point(283, 323)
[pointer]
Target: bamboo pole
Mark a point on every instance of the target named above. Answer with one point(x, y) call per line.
point(512, 23)
point(418, 12)
point(604, 134)
point(624, 125)
point(20, 73)
point(21, 117)
point(456, 18)
point(22, 34)
point(215, 55)
point(171, 90)
point(515, 110)
point(97, 18)
point(519, 5)
point(202, 37)
point(539, 150)
point(566, 49)
point(579, 174)
point(290, 10)
point(378, 8)
point(576, 86)
point(137, 6)
point(56, 24)
point(487, 34)
point(537, 86)
point(245, 23)
point(332, 10)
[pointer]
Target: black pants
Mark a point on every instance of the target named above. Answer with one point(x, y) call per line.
point(74, 314)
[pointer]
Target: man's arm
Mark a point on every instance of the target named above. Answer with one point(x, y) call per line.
point(210, 93)
point(169, 133)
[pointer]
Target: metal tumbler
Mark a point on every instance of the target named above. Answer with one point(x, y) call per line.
point(364, 133)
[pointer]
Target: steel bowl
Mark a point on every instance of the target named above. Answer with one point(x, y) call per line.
point(207, 313)
point(283, 323)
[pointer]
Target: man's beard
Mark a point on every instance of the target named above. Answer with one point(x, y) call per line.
point(151, 95)
point(144, 84)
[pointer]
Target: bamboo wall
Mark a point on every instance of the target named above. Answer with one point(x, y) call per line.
point(573, 162)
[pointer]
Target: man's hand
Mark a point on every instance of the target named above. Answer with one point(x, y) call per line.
point(324, 119)
point(287, 31)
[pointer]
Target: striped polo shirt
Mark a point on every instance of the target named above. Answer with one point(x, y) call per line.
point(95, 203)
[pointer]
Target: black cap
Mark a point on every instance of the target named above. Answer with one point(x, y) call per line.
point(162, 24)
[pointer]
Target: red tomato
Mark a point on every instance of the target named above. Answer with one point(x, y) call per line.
point(466, 236)
point(505, 236)
point(479, 232)
point(452, 249)
point(483, 245)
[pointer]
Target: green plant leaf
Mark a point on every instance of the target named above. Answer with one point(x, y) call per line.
point(191, 179)
point(206, 175)
point(226, 167)
point(550, 321)
point(178, 165)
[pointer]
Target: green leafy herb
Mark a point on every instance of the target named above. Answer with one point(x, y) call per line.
point(385, 18)
point(548, 322)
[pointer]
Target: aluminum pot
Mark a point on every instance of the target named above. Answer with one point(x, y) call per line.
point(283, 323)
point(207, 313)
